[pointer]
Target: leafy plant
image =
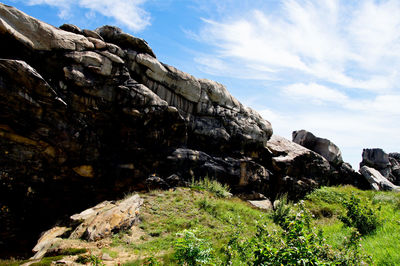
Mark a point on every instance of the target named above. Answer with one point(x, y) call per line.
point(359, 216)
point(190, 250)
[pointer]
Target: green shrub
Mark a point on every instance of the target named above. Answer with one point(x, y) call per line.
point(296, 244)
point(213, 186)
point(359, 216)
point(190, 250)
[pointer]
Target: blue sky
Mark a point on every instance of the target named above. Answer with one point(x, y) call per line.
point(330, 67)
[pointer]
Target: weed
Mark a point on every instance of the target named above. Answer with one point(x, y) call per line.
point(190, 250)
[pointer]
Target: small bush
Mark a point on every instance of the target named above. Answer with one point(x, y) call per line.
point(213, 186)
point(359, 216)
point(190, 250)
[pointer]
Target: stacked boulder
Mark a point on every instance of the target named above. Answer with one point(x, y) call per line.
point(382, 170)
point(341, 172)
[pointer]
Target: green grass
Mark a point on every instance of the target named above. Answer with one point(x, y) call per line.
point(382, 245)
point(213, 218)
point(166, 213)
point(216, 219)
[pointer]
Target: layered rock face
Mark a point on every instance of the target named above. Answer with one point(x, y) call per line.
point(86, 115)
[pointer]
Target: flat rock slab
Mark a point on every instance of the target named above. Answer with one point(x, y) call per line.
point(377, 180)
point(261, 204)
point(93, 224)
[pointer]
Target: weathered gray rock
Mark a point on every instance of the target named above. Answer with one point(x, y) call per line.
point(115, 35)
point(92, 34)
point(296, 168)
point(323, 147)
point(47, 241)
point(36, 34)
point(261, 204)
point(71, 28)
point(92, 224)
point(376, 180)
point(394, 159)
point(107, 217)
point(378, 159)
point(181, 83)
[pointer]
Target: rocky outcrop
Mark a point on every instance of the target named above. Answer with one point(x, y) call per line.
point(297, 170)
point(377, 159)
point(92, 224)
point(341, 172)
point(87, 115)
point(377, 180)
point(323, 147)
point(387, 164)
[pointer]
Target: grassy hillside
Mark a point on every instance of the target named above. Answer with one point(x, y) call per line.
point(185, 224)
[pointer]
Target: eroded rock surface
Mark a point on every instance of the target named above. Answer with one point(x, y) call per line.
point(341, 172)
point(93, 224)
point(377, 180)
point(323, 147)
point(86, 115)
point(387, 164)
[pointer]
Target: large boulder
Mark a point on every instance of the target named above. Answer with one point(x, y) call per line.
point(297, 169)
point(93, 224)
point(394, 159)
point(323, 147)
point(341, 172)
point(377, 180)
point(378, 159)
point(36, 34)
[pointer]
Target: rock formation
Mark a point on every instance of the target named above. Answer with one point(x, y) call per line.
point(92, 224)
point(323, 147)
point(377, 180)
point(387, 164)
point(341, 172)
point(88, 115)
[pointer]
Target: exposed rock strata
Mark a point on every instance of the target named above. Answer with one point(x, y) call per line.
point(87, 115)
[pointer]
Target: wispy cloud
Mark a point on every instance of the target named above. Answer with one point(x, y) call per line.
point(128, 13)
point(326, 40)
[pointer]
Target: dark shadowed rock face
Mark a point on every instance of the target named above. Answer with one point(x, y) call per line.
point(87, 115)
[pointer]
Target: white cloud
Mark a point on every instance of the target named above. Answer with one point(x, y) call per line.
point(128, 13)
point(315, 92)
point(349, 44)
